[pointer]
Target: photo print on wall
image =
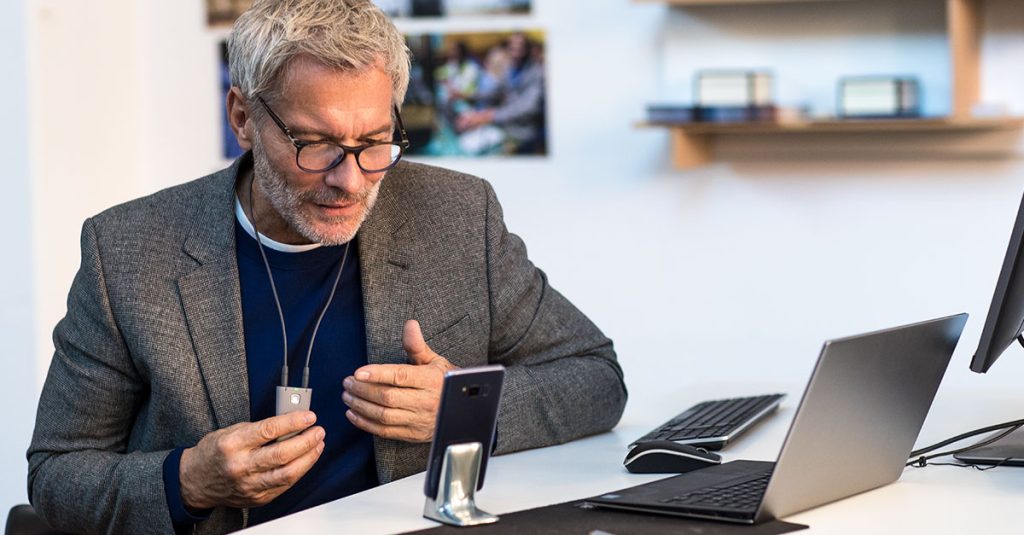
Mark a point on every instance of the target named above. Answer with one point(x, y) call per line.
point(476, 94)
point(446, 8)
point(224, 12)
point(470, 93)
point(231, 149)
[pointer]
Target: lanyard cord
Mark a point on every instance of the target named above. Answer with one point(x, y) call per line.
point(277, 301)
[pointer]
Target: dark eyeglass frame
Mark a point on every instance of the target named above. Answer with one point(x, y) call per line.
point(300, 144)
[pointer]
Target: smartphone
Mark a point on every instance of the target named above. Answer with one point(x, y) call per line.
point(468, 413)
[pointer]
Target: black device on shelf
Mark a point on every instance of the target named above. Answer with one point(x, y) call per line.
point(713, 424)
point(1004, 324)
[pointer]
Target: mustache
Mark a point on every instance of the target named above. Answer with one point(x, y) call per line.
point(331, 195)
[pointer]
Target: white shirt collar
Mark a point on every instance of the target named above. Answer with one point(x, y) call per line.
point(267, 242)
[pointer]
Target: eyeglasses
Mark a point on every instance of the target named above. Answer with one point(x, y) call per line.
point(322, 156)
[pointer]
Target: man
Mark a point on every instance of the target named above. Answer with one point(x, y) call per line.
point(317, 248)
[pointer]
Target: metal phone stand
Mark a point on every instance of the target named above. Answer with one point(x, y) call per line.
point(455, 504)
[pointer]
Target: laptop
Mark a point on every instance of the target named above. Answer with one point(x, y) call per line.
point(853, 431)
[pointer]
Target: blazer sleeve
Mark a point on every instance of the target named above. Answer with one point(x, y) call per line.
point(562, 380)
point(82, 476)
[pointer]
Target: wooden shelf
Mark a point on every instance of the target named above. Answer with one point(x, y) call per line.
point(847, 125)
point(692, 142)
point(727, 2)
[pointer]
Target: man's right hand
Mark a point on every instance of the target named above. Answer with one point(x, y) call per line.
point(241, 466)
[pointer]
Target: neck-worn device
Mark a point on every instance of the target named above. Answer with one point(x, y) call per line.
point(290, 398)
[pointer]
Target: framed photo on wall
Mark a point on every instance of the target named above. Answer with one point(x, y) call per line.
point(477, 94)
point(445, 8)
point(224, 12)
point(230, 148)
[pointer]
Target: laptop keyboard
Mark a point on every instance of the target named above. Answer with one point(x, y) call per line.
point(744, 494)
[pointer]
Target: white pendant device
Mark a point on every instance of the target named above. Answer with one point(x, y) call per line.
point(291, 399)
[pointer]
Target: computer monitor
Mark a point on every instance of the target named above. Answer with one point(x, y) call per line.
point(1003, 325)
point(1005, 319)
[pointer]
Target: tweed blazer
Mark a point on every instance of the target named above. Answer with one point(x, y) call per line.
point(151, 356)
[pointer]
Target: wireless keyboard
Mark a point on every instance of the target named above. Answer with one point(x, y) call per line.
point(713, 424)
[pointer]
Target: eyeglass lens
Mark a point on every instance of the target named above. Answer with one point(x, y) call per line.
point(373, 158)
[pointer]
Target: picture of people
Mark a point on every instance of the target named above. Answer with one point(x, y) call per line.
point(224, 12)
point(231, 149)
point(476, 94)
point(441, 8)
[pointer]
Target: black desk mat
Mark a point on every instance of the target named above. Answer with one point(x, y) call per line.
point(577, 518)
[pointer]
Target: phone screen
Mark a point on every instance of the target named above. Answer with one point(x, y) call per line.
point(468, 413)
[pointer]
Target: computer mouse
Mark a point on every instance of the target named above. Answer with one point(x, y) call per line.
point(667, 457)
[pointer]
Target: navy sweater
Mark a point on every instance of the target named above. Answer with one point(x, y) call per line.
point(303, 281)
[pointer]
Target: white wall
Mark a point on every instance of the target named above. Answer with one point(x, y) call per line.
point(708, 280)
point(86, 135)
point(16, 296)
point(71, 124)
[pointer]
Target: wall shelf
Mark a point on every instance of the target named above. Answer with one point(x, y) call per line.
point(692, 143)
point(684, 3)
point(846, 125)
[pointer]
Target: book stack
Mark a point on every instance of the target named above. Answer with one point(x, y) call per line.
point(676, 113)
point(724, 96)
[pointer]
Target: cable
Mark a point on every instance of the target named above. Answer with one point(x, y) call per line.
point(277, 301)
point(967, 435)
point(309, 352)
point(977, 467)
point(273, 287)
point(922, 461)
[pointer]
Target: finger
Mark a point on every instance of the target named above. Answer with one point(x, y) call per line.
point(269, 429)
point(415, 345)
point(393, 397)
point(406, 433)
point(403, 375)
point(378, 413)
point(277, 454)
point(283, 477)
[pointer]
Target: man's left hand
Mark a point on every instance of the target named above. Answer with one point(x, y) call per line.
point(399, 401)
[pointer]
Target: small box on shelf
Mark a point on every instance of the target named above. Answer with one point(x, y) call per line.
point(879, 97)
point(718, 88)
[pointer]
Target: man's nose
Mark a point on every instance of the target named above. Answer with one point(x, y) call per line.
point(347, 176)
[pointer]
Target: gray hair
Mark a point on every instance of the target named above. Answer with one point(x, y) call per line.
point(349, 35)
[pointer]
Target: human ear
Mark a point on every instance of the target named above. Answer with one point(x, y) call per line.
point(239, 118)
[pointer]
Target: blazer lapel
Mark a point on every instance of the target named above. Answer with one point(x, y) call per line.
point(386, 262)
point(211, 298)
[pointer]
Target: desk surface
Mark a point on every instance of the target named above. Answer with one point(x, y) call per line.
point(937, 499)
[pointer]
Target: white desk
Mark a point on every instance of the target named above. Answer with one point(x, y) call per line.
point(930, 500)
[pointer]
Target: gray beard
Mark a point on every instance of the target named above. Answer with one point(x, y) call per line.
point(287, 202)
